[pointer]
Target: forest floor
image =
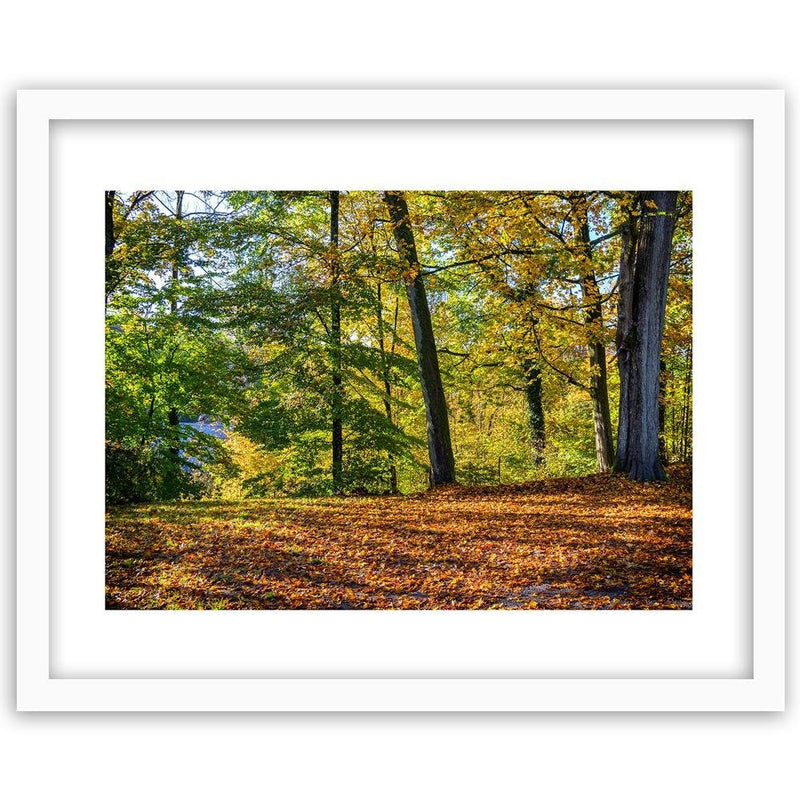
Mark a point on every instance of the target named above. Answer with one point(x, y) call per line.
point(579, 543)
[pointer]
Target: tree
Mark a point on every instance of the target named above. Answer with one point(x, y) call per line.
point(642, 303)
point(336, 347)
point(312, 317)
point(593, 317)
point(118, 211)
point(159, 361)
point(440, 449)
point(386, 374)
point(532, 376)
point(173, 477)
point(547, 255)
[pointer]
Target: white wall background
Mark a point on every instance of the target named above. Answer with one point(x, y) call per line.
point(582, 44)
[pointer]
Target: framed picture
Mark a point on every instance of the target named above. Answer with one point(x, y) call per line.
point(94, 634)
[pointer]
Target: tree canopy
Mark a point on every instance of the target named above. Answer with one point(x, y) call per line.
point(268, 343)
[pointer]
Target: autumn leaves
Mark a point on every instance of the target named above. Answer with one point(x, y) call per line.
point(596, 542)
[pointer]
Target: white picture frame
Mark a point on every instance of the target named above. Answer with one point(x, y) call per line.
point(46, 565)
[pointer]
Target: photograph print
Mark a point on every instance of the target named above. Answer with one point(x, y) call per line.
point(398, 399)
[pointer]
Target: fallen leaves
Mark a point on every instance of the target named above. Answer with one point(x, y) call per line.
point(594, 542)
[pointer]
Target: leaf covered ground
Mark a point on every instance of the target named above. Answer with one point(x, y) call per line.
point(576, 543)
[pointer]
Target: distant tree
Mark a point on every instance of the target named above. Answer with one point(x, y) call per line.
point(532, 376)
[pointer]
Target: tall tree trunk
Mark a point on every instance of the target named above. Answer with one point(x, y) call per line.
point(387, 383)
point(440, 449)
point(641, 344)
point(627, 260)
point(177, 264)
point(598, 375)
point(532, 375)
point(337, 400)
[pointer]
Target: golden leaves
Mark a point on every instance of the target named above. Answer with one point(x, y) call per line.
point(593, 542)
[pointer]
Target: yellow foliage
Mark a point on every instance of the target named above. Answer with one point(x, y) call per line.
point(248, 463)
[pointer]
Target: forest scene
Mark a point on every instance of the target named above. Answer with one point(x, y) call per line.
point(362, 399)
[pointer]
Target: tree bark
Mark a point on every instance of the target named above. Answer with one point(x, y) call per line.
point(627, 260)
point(440, 449)
point(337, 401)
point(598, 374)
point(640, 344)
point(532, 375)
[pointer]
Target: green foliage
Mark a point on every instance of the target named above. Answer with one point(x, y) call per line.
point(225, 311)
point(136, 475)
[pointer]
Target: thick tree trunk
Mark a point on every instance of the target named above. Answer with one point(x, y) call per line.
point(624, 322)
point(641, 342)
point(440, 449)
point(336, 348)
point(532, 375)
point(598, 375)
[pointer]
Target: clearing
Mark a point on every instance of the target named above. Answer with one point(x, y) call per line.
point(577, 543)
